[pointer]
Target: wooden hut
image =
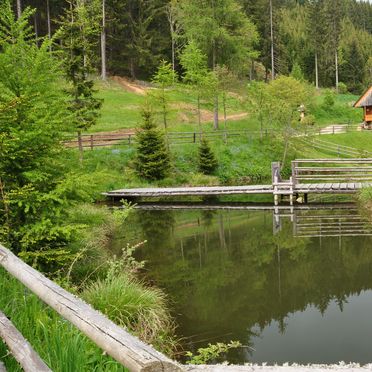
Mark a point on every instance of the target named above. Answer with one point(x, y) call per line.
point(365, 101)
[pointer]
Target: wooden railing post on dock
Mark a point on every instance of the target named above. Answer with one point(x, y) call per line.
point(121, 345)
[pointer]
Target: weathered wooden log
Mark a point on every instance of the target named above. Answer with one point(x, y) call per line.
point(20, 348)
point(121, 345)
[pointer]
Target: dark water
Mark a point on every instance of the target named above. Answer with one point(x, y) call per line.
point(293, 286)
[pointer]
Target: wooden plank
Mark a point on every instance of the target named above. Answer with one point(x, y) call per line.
point(121, 345)
point(20, 347)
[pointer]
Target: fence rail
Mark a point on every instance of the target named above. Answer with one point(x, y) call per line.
point(90, 141)
point(114, 340)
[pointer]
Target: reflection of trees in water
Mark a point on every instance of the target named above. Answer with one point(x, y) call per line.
point(257, 277)
point(156, 225)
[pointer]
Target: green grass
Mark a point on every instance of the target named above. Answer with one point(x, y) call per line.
point(359, 140)
point(121, 110)
point(140, 309)
point(58, 343)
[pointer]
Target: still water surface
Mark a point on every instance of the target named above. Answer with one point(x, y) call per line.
point(293, 286)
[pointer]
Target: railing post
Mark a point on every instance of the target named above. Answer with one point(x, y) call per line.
point(129, 139)
point(194, 138)
point(91, 142)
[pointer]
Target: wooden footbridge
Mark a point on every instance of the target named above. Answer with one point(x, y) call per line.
point(308, 176)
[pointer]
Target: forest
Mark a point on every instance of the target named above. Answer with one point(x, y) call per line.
point(327, 41)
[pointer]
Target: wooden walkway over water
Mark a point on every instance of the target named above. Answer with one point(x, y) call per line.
point(309, 176)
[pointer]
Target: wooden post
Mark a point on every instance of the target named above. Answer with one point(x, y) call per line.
point(91, 142)
point(129, 139)
point(20, 348)
point(194, 138)
point(121, 345)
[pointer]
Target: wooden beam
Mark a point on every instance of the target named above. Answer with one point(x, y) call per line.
point(20, 348)
point(121, 345)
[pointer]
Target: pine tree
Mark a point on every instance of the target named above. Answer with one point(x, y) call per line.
point(78, 29)
point(152, 160)
point(207, 162)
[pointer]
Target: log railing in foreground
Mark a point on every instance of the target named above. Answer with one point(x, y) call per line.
point(114, 340)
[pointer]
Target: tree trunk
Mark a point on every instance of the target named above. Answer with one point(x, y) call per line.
point(316, 71)
point(224, 115)
point(103, 43)
point(81, 149)
point(48, 22)
point(36, 29)
point(272, 41)
point(199, 116)
point(19, 9)
point(215, 114)
point(336, 68)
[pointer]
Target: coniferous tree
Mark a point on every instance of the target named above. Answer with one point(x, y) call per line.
point(207, 162)
point(79, 27)
point(152, 160)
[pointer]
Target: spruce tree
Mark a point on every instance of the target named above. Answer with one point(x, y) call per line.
point(152, 160)
point(207, 162)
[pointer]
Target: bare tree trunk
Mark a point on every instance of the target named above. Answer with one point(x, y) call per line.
point(36, 30)
point(215, 114)
point(81, 149)
point(48, 22)
point(272, 41)
point(171, 21)
point(336, 68)
point(199, 116)
point(103, 43)
point(316, 71)
point(19, 9)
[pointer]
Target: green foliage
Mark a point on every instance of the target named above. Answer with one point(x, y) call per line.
point(211, 352)
point(152, 159)
point(127, 302)
point(224, 33)
point(329, 99)
point(67, 348)
point(296, 72)
point(207, 162)
point(342, 88)
point(33, 118)
point(164, 78)
point(79, 27)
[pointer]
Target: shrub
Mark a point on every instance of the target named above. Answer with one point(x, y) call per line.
point(207, 162)
point(342, 88)
point(308, 120)
point(329, 99)
point(152, 160)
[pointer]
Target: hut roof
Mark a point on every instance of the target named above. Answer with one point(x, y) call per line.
point(365, 99)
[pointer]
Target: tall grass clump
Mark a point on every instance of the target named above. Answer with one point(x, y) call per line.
point(128, 302)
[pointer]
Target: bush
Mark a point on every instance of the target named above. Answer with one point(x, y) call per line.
point(207, 162)
point(152, 160)
point(308, 120)
point(329, 99)
point(342, 88)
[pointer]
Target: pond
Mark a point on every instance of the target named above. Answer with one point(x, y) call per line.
point(292, 284)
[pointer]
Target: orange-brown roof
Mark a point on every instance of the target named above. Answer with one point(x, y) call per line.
point(365, 99)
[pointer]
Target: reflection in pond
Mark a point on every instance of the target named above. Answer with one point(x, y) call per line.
point(293, 285)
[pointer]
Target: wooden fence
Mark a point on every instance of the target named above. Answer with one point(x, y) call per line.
point(114, 340)
point(90, 141)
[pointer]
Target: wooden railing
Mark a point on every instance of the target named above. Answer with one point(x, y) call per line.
point(90, 141)
point(114, 340)
point(331, 170)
